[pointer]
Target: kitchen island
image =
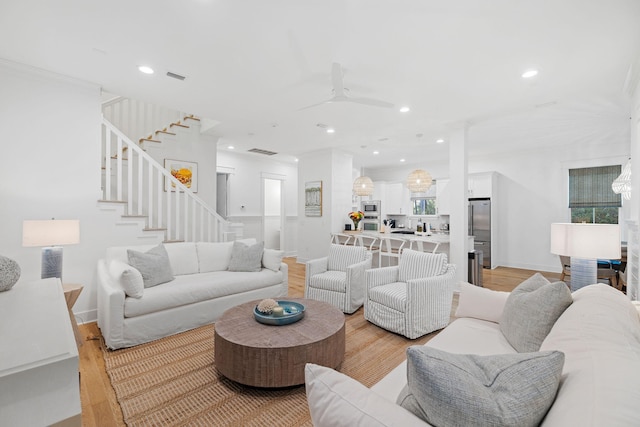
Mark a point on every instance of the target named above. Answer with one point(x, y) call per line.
point(434, 242)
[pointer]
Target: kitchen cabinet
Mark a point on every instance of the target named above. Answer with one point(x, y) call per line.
point(397, 199)
point(480, 185)
point(443, 198)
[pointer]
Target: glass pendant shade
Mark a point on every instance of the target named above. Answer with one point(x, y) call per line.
point(363, 186)
point(622, 184)
point(418, 181)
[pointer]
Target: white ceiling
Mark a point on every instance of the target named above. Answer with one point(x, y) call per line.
point(252, 64)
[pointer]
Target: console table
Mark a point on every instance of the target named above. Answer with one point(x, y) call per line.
point(39, 380)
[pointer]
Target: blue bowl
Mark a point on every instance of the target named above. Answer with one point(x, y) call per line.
point(293, 311)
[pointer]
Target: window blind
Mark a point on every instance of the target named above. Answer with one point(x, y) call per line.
point(591, 187)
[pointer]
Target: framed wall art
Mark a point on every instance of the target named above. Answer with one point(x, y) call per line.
point(184, 171)
point(313, 198)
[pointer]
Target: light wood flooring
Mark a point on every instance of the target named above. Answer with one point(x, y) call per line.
point(99, 405)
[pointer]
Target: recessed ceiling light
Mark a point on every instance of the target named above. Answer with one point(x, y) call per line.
point(376, 152)
point(405, 109)
point(439, 141)
point(402, 160)
point(297, 159)
point(331, 130)
point(529, 73)
point(145, 69)
point(231, 147)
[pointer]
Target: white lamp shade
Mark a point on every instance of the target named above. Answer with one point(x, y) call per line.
point(50, 232)
point(419, 181)
point(363, 186)
point(589, 241)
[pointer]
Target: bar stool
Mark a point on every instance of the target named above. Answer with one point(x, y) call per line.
point(340, 238)
point(423, 246)
point(371, 243)
point(390, 247)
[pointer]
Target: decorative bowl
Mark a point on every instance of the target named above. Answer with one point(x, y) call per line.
point(293, 311)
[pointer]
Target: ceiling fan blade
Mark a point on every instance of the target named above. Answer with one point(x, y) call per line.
point(372, 102)
point(315, 105)
point(336, 79)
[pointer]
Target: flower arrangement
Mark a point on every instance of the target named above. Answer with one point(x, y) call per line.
point(356, 216)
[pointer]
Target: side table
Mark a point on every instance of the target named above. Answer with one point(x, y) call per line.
point(71, 294)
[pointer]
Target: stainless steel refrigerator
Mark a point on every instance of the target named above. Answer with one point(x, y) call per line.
point(480, 228)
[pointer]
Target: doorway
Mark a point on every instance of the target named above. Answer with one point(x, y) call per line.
point(272, 208)
point(222, 194)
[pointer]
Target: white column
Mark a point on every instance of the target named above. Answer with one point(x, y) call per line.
point(459, 218)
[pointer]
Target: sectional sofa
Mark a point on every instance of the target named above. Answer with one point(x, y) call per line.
point(203, 280)
point(589, 358)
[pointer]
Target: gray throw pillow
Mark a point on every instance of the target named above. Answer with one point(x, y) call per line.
point(448, 389)
point(246, 258)
point(531, 310)
point(154, 265)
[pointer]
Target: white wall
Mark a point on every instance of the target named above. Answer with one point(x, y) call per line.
point(51, 169)
point(334, 169)
point(245, 188)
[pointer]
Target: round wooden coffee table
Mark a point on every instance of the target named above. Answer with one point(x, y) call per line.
point(255, 354)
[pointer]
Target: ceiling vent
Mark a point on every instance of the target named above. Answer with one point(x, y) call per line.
point(175, 76)
point(260, 151)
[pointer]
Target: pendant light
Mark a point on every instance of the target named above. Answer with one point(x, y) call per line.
point(622, 184)
point(419, 181)
point(363, 186)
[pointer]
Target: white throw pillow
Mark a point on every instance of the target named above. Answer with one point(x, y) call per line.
point(480, 303)
point(214, 256)
point(336, 400)
point(183, 257)
point(272, 259)
point(129, 278)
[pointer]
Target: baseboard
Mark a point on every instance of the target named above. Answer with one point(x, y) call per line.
point(88, 316)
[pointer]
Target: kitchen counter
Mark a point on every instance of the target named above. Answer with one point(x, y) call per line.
point(436, 238)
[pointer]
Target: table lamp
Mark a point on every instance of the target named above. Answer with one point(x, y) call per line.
point(51, 234)
point(585, 243)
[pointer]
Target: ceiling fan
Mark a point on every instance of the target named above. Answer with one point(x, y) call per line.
point(340, 92)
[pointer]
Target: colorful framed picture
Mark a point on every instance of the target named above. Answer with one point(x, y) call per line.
point(184, 171)
point(313, 198)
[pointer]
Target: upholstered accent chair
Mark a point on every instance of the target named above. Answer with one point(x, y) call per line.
point(412, 298)
point(338, 278)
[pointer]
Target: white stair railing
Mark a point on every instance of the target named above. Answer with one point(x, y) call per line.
point(138, 119)
point(150, 191)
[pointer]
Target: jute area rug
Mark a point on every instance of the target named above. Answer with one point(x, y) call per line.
point(174, 381)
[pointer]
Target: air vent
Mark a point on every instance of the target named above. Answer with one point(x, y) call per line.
point(260, 151)
point(175, 76)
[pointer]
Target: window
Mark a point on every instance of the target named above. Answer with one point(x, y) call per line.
point(424, 203)
point(424, 206)
point(591, 198)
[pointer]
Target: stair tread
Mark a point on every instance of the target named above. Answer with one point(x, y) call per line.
point(154, 229)
point(111, 201)
point(172, 241)
point(135, 216)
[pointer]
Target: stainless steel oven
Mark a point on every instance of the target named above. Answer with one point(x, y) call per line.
point(372, 218)
point(370, 226)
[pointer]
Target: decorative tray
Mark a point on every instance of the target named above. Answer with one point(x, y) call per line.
point(293, 311)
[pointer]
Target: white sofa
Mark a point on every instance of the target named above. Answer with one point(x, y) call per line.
point(599, 334)
point(201, 291)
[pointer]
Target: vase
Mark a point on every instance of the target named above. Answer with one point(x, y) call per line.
point(355, 224)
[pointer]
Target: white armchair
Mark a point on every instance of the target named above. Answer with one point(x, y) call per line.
point(339, 278)
point(412, 298)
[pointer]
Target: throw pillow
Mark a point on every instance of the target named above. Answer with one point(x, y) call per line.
point(342, 256)
point(480, 303)
point(246, 258)
point(531, 311)
point(271, 259)
point(154, 265)
point(448, 389)
point(213, 256)
point(129, 278)
point(418, 265)
point(336, 400)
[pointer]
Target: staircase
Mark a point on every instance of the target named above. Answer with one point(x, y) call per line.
point(144, 191)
